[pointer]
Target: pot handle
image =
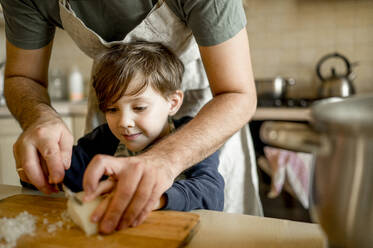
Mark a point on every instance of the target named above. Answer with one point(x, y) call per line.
point(323, 59)
point(290, 135)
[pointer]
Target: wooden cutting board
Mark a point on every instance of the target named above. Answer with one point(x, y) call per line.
point(161, 228)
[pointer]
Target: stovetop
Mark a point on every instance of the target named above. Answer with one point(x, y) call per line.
point(285, 103)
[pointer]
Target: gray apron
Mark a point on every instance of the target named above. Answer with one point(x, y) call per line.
point(161, 25)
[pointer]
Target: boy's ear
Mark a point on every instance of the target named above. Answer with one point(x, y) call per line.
point(175, 100)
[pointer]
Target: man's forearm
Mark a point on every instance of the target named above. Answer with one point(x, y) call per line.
point(27, 100)
point(215, 123)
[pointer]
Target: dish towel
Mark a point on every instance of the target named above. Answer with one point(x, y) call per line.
point(294, 168)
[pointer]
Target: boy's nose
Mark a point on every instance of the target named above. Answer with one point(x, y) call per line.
point(126, 121)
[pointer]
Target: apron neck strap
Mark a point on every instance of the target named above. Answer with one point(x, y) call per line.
point(160, 2)
point(64, 2)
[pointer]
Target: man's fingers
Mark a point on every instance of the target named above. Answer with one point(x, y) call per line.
point(122, 196)
point(40, 151)
point(152, 203)
point(137, 189)
point(92, 175)
point(19, 169)
point(139, 200)
point(50, 151)
point(99, 212)
point(66, 143)
point(140, 219)
point(22, 175)
point(43, 166)
point(29, 161)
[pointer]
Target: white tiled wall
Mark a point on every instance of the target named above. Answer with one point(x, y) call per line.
point(66, 54)
point(288, 37)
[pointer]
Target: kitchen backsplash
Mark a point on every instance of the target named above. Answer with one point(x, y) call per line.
point(287, 38)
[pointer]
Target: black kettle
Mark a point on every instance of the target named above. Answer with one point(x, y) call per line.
point(336, 85)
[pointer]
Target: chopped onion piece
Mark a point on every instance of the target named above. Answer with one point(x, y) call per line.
point(12, 228)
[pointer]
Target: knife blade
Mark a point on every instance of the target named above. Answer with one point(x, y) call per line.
point(71, 195)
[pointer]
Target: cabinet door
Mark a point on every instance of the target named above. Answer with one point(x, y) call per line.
point(78, 127)
point(69, 123)
point(9, 132)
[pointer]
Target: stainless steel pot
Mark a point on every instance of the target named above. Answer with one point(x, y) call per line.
point(341, 138)
point(2, 98)
point(275, 88)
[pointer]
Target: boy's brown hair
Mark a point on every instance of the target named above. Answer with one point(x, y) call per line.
point(158, 66)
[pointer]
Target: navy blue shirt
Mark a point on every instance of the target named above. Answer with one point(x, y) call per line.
point(201, 188)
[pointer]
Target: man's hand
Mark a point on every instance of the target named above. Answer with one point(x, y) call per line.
point(140, 183)
point(45, 137)
point(43, 150)
point(106, 189)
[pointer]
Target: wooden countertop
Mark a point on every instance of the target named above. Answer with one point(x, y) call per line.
point(219, 229)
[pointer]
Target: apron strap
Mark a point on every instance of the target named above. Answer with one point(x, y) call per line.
point(65, 3)
point(160, 2)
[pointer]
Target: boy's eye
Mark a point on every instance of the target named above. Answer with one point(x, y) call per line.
point(111, 110)
point(139, 108)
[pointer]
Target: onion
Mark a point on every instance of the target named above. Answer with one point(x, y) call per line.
point(12, 228)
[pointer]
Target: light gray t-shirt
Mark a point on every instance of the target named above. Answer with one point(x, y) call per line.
point(30, 24)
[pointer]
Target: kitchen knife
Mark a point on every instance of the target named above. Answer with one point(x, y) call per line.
point(71, 195)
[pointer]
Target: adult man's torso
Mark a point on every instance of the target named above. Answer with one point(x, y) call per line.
point(30, 24)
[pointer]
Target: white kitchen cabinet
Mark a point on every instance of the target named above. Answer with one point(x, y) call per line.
point(78, 127)
point(9, 132)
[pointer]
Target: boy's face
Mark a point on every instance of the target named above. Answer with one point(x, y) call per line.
point(138, 120)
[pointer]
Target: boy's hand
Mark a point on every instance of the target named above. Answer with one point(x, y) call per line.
point(104, 187)
point(141, 181)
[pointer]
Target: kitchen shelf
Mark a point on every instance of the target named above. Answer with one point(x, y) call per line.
point(64, 108)
point(282, 114)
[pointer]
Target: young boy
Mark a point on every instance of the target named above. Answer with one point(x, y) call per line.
point(138, 89)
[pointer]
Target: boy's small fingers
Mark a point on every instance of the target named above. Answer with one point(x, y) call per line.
point(95, 170)
point(103, 187)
